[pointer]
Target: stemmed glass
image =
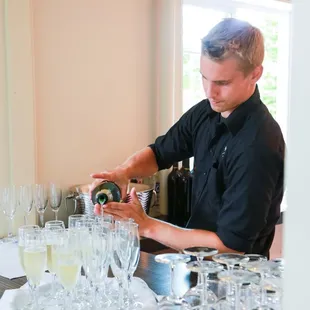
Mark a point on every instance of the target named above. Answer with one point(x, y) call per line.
point(133, 264)
point(55, 223)
point(53, 235)
point(21, 240)
point(9, 202)
point(55, 197)
point(230, 260)
point(26, 201)
point(34, 262)
point(98, 262)
point(207, 297)
point(200, 253)
point(173, 301)
point(68, 267)
point(73, 219)
point(238, 277)
point(40, 201)
point(121, 256)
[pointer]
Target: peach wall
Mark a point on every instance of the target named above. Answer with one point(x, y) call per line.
point(93, 65)
point(94, 91)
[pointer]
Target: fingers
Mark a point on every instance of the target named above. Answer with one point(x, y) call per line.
point(101, 175)
point(97, 209)
point(117, 214)
point(133, 196)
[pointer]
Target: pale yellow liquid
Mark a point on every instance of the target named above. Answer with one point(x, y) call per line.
point(68, 274)
point(50, 261)
point(34, 262)
point(21, 255)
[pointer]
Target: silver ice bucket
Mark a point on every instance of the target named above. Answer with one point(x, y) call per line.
point(83, 204)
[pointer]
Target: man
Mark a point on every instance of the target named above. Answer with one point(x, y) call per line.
point(238, 149)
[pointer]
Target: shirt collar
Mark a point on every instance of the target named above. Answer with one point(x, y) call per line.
point(237, 118)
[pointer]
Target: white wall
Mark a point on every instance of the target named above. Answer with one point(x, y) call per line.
point(297, 228)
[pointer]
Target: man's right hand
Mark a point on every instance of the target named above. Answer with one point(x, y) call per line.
point(118, 176)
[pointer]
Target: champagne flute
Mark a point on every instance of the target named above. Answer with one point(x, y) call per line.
point(68, 266)
point(53, 235)
point(40, 201)
point(26, 201)
point(55, 223)
point(34, 261)
point(10, 203)
point(55, 198)
point(73, 219)
point(21, 240)
point(133, 263)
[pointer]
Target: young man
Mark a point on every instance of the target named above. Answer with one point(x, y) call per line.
point(238, 149)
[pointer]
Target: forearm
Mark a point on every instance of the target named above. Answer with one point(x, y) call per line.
point(181, 238)
point(141, 164)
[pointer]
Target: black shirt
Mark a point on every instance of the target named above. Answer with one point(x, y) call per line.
point(238, 179)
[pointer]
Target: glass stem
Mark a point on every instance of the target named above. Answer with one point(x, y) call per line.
point(42, 220)
point(25, 219)
point(121, 302)
point(230, 268)
point(199, 280)
point(68, 300)
point(204, 293)
point(237, 296)
point(263, 291)
point(54, 285)
point(10, 227)
point(56, 215)
point(173, 294)
point(129, 279)
point(33, 294)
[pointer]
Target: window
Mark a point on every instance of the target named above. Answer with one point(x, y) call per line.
point(274, 21)
point(271, 17)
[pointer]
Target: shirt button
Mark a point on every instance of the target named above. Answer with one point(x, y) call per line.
point(204, 173)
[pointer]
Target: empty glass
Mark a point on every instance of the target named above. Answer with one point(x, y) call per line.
point(173, 301)
point(55, 198)
point(200, 253)
point(9, 203)
point(206, 297)
point(26, 200)
point(238, 278)
point(40, 201)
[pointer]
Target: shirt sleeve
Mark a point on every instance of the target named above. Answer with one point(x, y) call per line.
point(252, 178)
point(176, 144)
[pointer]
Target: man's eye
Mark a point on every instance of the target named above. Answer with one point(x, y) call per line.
point(222, 83)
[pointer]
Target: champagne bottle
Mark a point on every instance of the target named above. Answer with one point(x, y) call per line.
point(182, 213)
point(106, 192)
point(172, 186)
point(190, 191)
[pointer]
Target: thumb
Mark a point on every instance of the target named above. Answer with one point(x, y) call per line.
point(133, 196)
point(101, 175)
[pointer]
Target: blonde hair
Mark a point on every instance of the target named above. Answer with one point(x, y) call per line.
point(235, 38)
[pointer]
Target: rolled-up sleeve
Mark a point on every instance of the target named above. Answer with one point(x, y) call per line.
point(176, 144)
point(252, 176)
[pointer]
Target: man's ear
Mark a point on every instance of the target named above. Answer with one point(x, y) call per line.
point(256, 74)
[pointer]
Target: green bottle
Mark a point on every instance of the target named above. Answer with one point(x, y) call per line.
point(105, 192)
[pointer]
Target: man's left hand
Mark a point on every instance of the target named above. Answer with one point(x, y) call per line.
point(133, 210)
